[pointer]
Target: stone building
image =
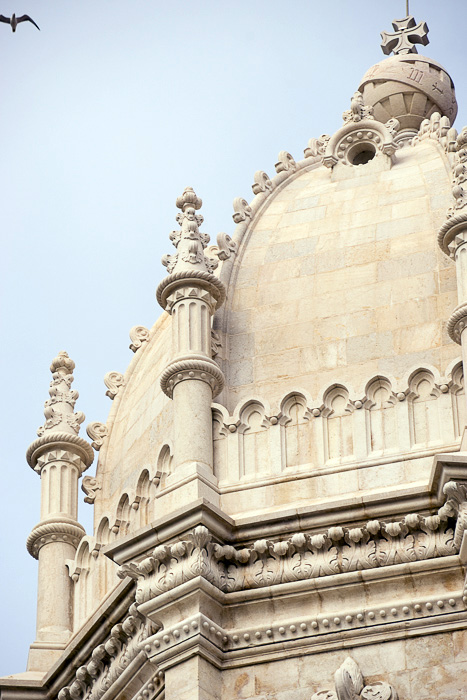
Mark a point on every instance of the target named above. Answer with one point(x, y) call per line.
point(281, 492)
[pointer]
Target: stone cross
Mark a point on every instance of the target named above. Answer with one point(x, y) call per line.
point(407, 34)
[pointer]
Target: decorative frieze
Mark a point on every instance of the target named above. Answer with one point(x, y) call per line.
point(302, 556)
point(110, 659)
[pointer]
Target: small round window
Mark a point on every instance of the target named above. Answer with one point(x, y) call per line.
point(361, 153)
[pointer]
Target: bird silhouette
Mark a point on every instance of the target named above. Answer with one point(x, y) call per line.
point(14, 20)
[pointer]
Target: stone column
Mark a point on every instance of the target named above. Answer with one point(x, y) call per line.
point(59, 456)
point(452, 239)
point(191, 294)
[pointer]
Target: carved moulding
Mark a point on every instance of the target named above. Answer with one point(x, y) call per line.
point(198, 278)
point(202, 369)
point(54, 530)
point(110, 659)
point(138, 336)
point(357, 137)
point(350, 685)
point(300, 557)
point(62, 447)
point(457, 322)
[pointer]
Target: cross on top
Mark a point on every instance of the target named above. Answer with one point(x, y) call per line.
point(407, 34)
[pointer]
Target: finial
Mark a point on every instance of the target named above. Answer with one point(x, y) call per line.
point(189, 241)
point(58, 410)
point(407, 34)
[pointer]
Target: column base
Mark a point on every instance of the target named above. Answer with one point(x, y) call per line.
point(188, 483)
point(43, 655)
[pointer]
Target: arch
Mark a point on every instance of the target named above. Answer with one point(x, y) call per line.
point(143, 497)
point(298, 441)
point(381, 424)
point(424, 417)
point(338, 424)
point(122, 522)
point(253, 439)
point(458, 398)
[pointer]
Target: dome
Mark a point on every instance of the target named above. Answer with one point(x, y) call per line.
point(410, 88)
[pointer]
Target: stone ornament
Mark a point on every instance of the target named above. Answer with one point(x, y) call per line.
point(58, 409)
point(301, 556)
point(138, 336)
point(407, 34)
point(188, 240)
point(262, 182)
point(285, 163)
point(350, 685)
point(358, 110)
point(226, 248)
point(439, 128)
point(360, 139)
point(316, 146)
point(242, 210)
point(97, 432)
point(110, 659)
point(113, 381)
point(54, 530)
point(90, 486)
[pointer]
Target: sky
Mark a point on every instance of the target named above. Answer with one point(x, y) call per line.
point(107, 114)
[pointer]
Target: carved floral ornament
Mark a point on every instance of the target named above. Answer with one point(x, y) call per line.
point(302, 556)
point(350, 685)
point(110, 659)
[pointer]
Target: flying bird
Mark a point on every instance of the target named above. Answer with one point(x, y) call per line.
point(14, 20)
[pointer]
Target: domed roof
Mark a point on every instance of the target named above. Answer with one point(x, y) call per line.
point(410, 88)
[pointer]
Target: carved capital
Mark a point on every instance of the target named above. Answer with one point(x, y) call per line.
point(196, 278)
point(452, 233)
point(190, 291)
point(68, 531)
point(457, 322)
point(192, 369)
point(60, 446)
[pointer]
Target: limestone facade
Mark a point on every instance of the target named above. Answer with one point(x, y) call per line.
point(280, 500)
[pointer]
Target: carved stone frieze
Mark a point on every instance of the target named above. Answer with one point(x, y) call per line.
point(113, 381)
point(109, 660)
point(90, 485)
point(138, 336)
point(285, 163)
point(350, 685)
point(302, 556)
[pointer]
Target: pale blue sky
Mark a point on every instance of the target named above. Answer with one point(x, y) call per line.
point(107, 114)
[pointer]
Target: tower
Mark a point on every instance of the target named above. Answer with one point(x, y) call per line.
point(280, 499)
